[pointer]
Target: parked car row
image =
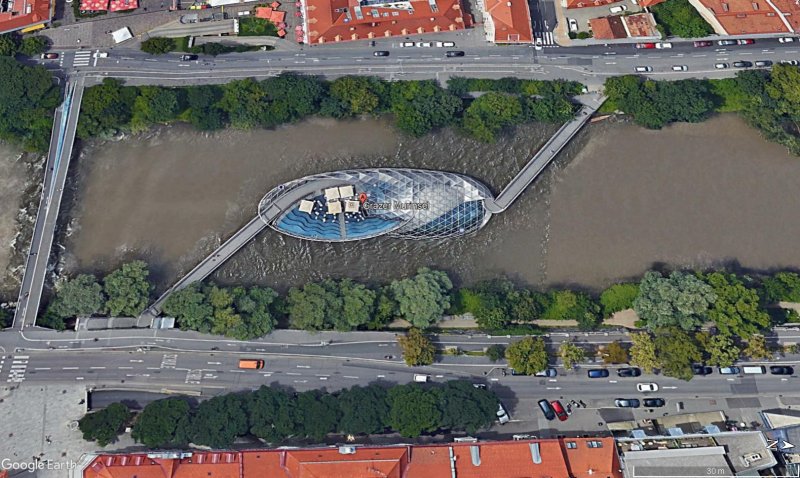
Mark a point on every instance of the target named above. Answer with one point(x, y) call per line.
point(449, 54)
point(636, 403)
point(427, 44)
point(554, 409)
point(697, 369)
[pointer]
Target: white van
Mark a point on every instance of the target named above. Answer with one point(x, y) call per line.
point(421, 378)
point(618, 9)
point(754, 370)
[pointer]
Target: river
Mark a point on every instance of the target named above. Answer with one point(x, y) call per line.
point(617, 200)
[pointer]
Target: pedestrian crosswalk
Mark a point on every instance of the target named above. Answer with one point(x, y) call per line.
point(82, 58)
point(545, 39)
point(19, 364)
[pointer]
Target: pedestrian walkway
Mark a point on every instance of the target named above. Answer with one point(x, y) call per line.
point(547, 39)
point(18, 367)
point(82, 58)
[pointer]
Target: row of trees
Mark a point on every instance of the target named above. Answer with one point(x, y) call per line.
point(274, 415)
point(768, 99)
point(417, 107)
point(27, 101)
point(124, 292)
point(161, 45)
point(11, 44)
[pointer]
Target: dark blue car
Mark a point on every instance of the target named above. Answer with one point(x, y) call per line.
point(597, 373)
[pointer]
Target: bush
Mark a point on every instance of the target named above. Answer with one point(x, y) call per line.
point(159, 45)
point(252, 26)
point(679, 18)
point(496, 352)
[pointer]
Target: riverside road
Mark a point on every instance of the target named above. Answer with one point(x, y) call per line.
point(590, 64)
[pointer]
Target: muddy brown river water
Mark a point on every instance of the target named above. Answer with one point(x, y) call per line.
point(617, 200)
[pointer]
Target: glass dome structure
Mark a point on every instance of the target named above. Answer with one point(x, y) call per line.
point(365, 203)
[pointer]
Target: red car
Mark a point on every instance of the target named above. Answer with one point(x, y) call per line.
point(699, 44)
point(560, 412)
point(746, 41)
point(646, 45)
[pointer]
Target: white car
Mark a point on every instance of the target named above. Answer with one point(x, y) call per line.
point(618, 9)
point(680, 68)
point(407, 44)
point(538, 44)
point(424, 44)
point(573, 25)
point(720, 66)
point(643, 69)
point(646, 387)
point(502, 416)
point(785, 39)
point(663, 45)
point(444, 44)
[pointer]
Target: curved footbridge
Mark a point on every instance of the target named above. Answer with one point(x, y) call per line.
point(278, 202)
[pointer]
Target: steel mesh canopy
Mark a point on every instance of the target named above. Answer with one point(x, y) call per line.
point(407, 203)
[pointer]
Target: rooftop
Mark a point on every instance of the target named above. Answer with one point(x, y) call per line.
point(586, 3)
point(20, 14)
point(641, 25)
point(508, 21)
point(736, 17)
point(553, 458)
point(343, 20)
point(607, 28)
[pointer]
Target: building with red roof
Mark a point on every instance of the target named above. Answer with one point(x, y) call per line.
point(551, 458)
point(739, 17)
point(638, 25)
point(21, 14)
point(343, 20)
point(507, 21)
point(122, 5)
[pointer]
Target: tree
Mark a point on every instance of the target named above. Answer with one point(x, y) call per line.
point(385, 309)
point(488, 114)
point(218, 421)
point(245, 102)
point(677, 351)
point(363, 410)
point(312, 306)
point(679, 18)
point(465, 407)
point(106, 108)
point(722, 351)
point(571, 305)
point(358, 305)
point(417, 349)
point(33, 46)
point(204, 112)
point(127, 289)
point(257, 307)
point(783, 286)
point(615, 352)
point(27, 100)
point(162, 423)
point(737, 310)
point(9, 44)
point(680, 300)
point(413, 410)
point(422, 106)
point(422, 299)
point(155, 104)
point(359, 94)
point(570, 354)
point(291, 97)
point(190, 308)
point(81, 296)
point(104, 426)
point(318, 414)
point(272, 414)
point(158, 45)
point(551, 108)
point(757, 348)
point(643, 352)
point(496, 352)
point(618, 297)
point(527, 356)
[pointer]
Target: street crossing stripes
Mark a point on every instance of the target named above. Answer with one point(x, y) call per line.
point(82, 58)
point(194, 376)
point(547, 39)
point(19, 364)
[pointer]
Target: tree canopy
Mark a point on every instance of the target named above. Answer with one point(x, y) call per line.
point(27, 101)
point(737, 309)
point(681, 300)
point(127, 289)
point(676, 351)
point(643, 352)
point(80, 296)
point(571, 354)
point(618, 297)
point(104, 426)
point(528, 356)
point(423, 299)
point(417, 348)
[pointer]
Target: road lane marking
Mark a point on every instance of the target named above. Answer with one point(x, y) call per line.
point(42, 368)
point(97, 368)
point(351, 376)
point(69, 368)
point(215, 363)
point(612, 381)
point(553, 380)
point(125, 368)
point(304, 366)
point(293, 373)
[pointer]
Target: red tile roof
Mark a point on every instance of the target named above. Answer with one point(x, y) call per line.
point(752, 16)
point(588, 3)
point(649, 3)
point(641, 25)
point(564, 458)
point(511, 20)
point(343, 20)
point(24, 13)
point(607, 28)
